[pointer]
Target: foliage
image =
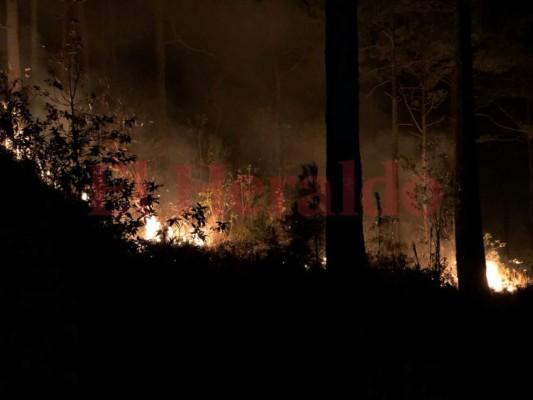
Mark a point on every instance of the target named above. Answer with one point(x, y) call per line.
point(437, 226)
point(191, 226)
point(79, 149)
point(307, 232)
point(388, 253)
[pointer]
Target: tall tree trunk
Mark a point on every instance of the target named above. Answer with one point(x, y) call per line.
point(34, 54)
point(529, 130)
point(109, 34)
point(504, 173)
point(426, 236)
point(72, 75)
point(530, 162)
point(84, 35)
point(345, 248)
point(75, 38)
point(395, 137)
point(470, 250)
point(160, 49)
point(277, 120)
point(12, 33)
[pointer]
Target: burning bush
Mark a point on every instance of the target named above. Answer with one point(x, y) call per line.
point(500, 275)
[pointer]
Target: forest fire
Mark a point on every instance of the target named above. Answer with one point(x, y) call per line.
point(496, 280)
point(502, 278)
point(275, 182)
point(156, 232)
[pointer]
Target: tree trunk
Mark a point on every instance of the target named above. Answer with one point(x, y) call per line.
point(160, 48)
point(109, 34)
point(426, 236)
point(84, 35)
point(395, 138)
point(12, 33)
point(470, 250)
point(530, 161)
point(277, 120)
point(34, 62)
point(529, 130)
point(345, 248)
point(504, 173)
point(423, 154)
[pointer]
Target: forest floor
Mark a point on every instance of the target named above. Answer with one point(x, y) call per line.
point(156, 335)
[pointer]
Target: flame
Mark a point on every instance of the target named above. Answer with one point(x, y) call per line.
point(493, 276)
point(197, 241)
point(504, 279)
point(10, 145)
point(152, 228)
point(170, 233)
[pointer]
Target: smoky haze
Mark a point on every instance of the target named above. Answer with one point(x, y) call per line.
point(244, 68)
point(245, 86)
point(245, 82)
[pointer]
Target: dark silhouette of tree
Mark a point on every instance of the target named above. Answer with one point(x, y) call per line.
point(470, 252)
point(345, 249)
point(503, 67)
point(307, 231)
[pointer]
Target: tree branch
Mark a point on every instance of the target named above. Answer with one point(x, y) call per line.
point(436, 122)
point(376, 87)
point(507, 128)
point(179, 40)
point(410, 111)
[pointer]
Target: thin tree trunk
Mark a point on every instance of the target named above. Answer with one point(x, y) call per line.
point(426, 237)
point(506, 227)
point(530, 161)
point(34, 62)
point(12, 33)
point(277, 125)
point(423, 128)
point(529, 130)
point(160, 48)
point(506, 206)
point(108, 34)
point(395, 138)
point(469, 244)
point(84, 35)
point(345, 248)
point(72, 69)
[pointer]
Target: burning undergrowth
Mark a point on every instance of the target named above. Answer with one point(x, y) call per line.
point(82, 151)
point(504, 275)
